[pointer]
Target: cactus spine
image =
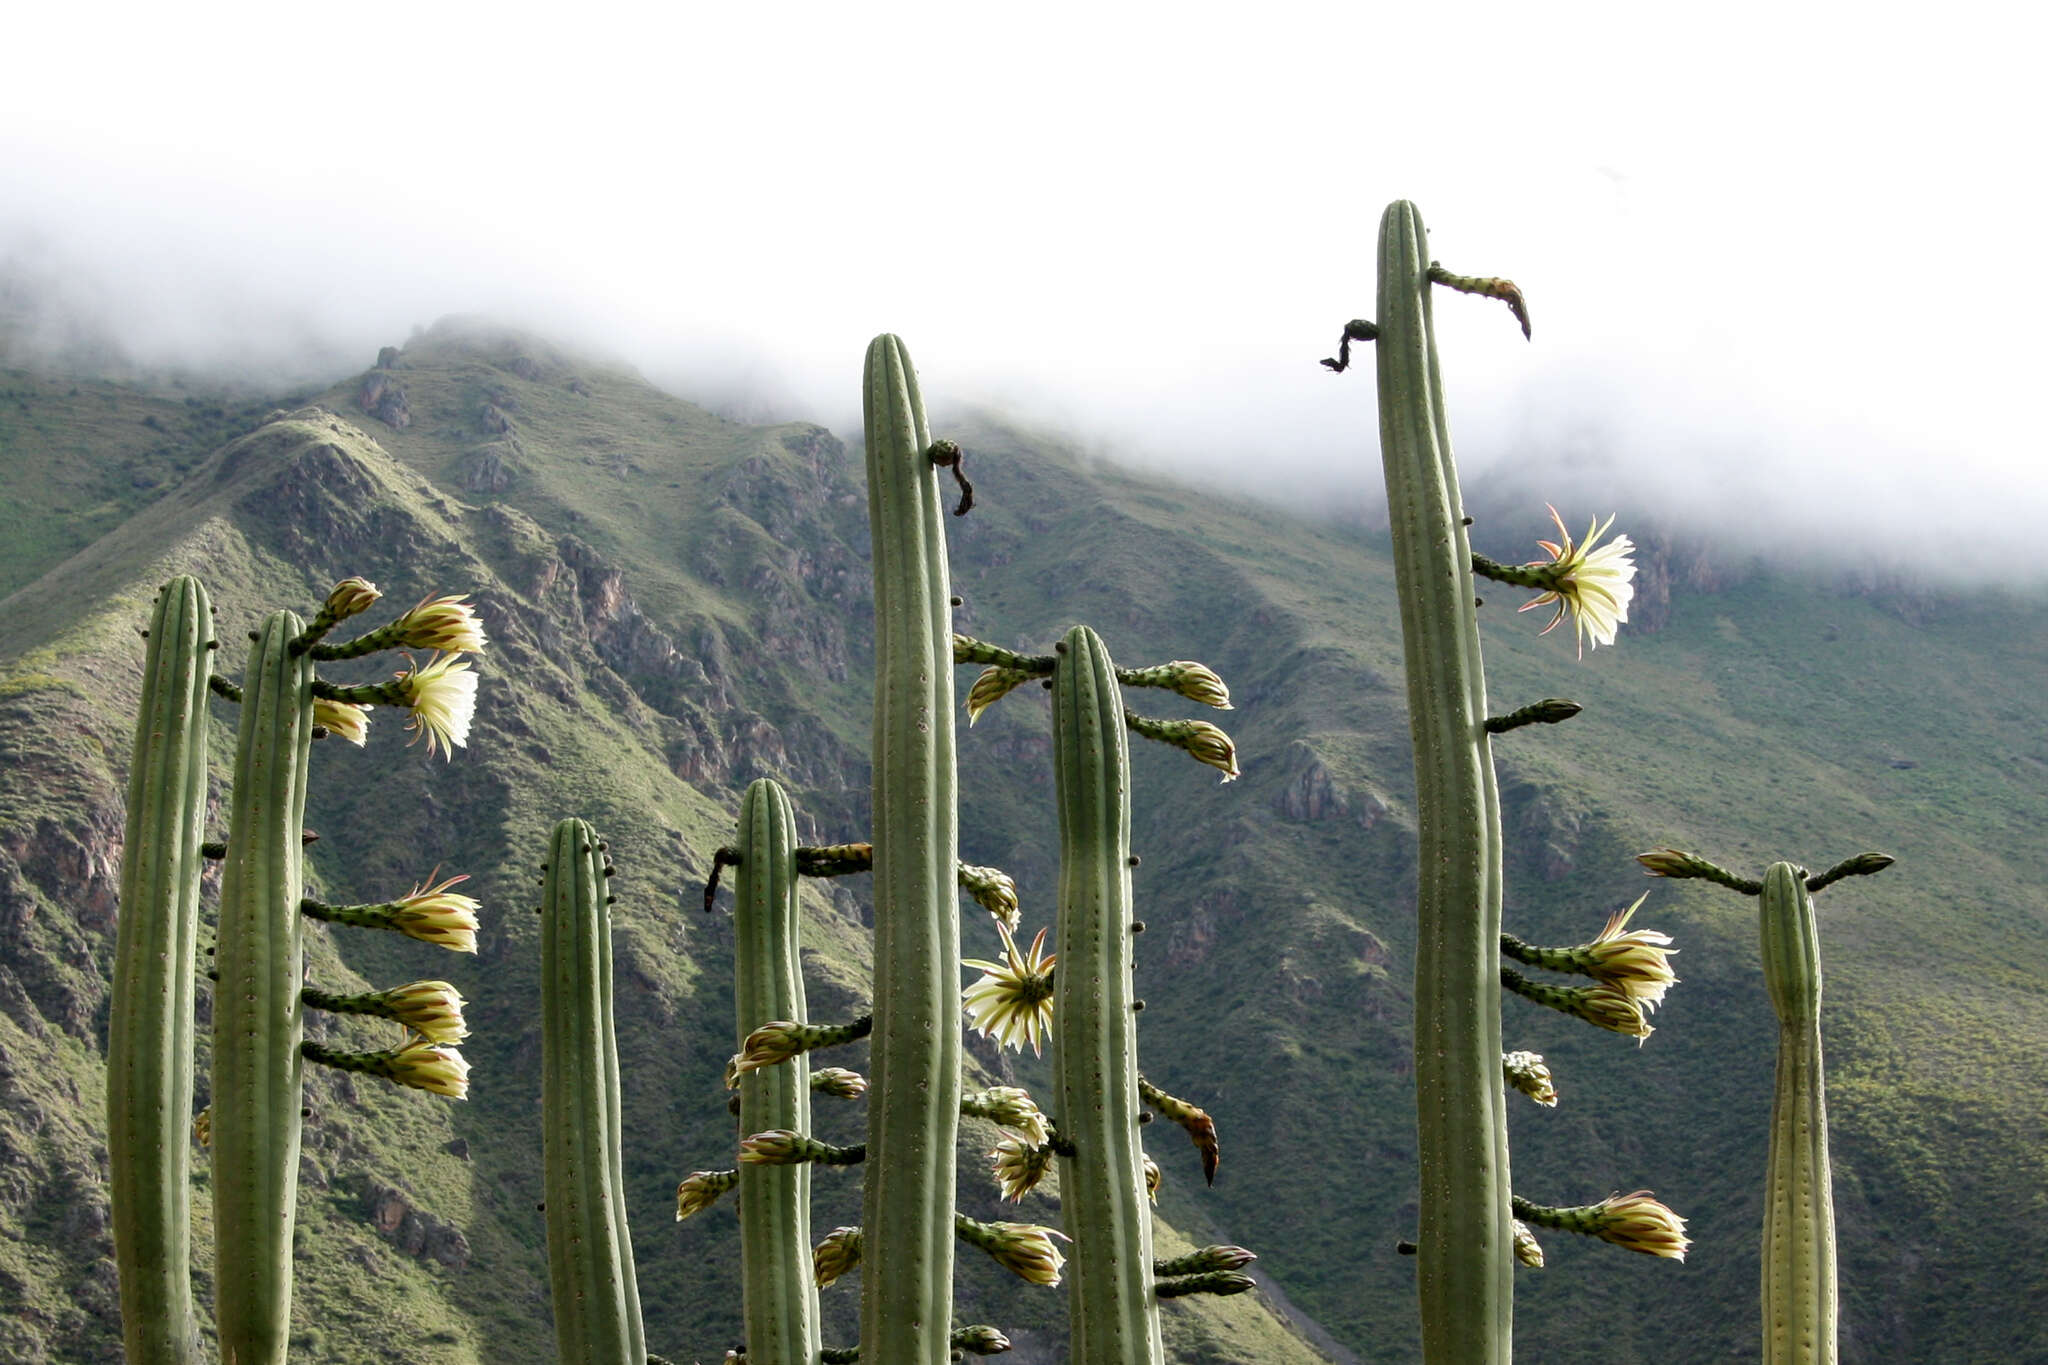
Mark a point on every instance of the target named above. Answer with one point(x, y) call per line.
point(1799, 1215)
point(1113, 1311)
point(913, 1115)
point(590, 1253)
point(1465, 1261)
point(774, 1200)
point(150, 1028)
point(257, 1014)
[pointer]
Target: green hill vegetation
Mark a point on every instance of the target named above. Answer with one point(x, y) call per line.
point(678, 604)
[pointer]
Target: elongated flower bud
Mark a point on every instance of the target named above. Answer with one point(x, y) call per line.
point(979, 1340)
point(991, 686)
point(419, 1064)
point(1635, 1221)
point(1205, 1260)
point(1528, 1251)
point(781, 1039)
point(839, 1082)
point(432, 1009)
point(785, 1146)
point(350, 597)
point(1673, 863)
point(1154, 1178)
point(1026, 1250)
point(446, 625)
point(1203, 741)
point(1601, 1006)
point(1210, 1282)
point(701, 1189)
point(1196, 682)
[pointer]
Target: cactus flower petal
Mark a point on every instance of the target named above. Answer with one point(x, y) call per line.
point(442, 697)
point(1012, 1002)
point(1593, 581)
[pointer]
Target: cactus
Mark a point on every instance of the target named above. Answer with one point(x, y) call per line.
point(781, 1301)
point(257, 1013)
point(913, 1114)
point(1113, 1312)
point(590, 1253)
point(1465, 1259)
point(1799, 1213)
point(150, 1019)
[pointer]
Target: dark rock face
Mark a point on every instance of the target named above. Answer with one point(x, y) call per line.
point(416, 1233)
point(382, 399)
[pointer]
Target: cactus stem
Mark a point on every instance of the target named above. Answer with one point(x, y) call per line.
point(224, 689)
point(1210, 1282)
point(968, 650)
point(1861, 865)
point(1492, 288)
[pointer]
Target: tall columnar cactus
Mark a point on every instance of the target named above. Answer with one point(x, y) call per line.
point(913, 1114)
point(150, 1023)
point(590, 1252)
point(1465, 1260)
point(257, 1012)
point(1113, 1312)
point(1799, 1209)
point(781, 1299)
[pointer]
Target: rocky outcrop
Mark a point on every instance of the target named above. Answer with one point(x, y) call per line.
point(382, 398)
point(412, 1230)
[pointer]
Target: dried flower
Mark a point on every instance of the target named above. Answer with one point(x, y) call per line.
point(1528, 1073)
point(1019, 1165)
point(1593, 584)
point(991, 686)
point(837, 1254)
point(1012, 1002)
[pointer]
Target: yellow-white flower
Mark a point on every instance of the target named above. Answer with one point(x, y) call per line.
point(442, 697)
point(1640, 1223)
point(1019, 1165)
point(434, 914)
point(1594, 584)
point(1012, 1002)
point(430, 1066)
point(1636, 962)
point(343, 720)
point(443, 624)
point(432, 1009)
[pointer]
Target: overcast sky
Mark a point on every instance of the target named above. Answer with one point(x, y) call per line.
point(1782, 261)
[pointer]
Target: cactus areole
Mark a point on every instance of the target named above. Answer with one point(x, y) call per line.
point(149, 1025)
point(1799, 1293)
point(914, 1095)
point(1465, 1258)
point(590, 1253)
point(257, 1014)
point(1112, 1309)
point(780, 1295)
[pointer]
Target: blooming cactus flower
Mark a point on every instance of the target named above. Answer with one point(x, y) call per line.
point(1593, 582)
point(1012, 1002)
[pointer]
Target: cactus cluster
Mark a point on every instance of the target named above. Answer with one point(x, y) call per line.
point(253, 1122)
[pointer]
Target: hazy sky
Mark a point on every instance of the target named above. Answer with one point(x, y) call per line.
point(1782, 261)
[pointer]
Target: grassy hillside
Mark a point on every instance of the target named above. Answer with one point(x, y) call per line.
point(679, 604)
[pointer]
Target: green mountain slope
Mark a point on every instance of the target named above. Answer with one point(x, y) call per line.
point(679, 604)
